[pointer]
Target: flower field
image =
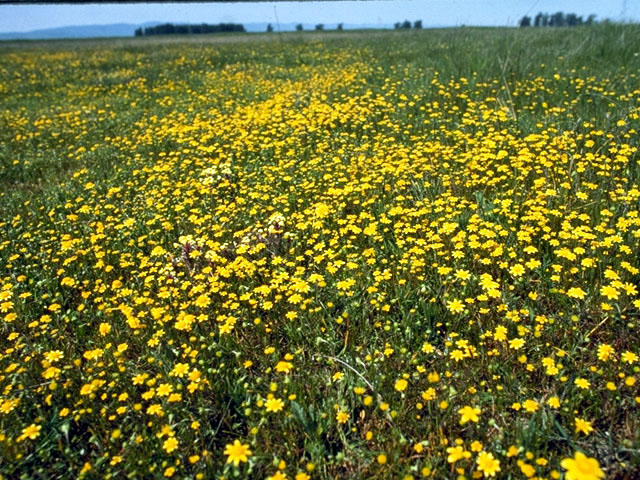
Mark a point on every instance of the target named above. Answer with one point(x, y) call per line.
point(397, 255)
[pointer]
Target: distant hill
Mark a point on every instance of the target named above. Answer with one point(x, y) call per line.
point(78, 31)
point(128, 29)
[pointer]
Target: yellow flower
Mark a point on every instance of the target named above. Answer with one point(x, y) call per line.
point(86, 389)
point(605, 351)
point(610, 292)
point(531, 406)
point(457, 453)
point(583, 426)
point(517, 270)
point(237, 452)
point(179, 370)
point(342, 417)
point(164, 390)
point(401, 385)
point(468, 413)
point(488, 465)
point(455, 306)
point(457, 355)
point(54, 355)
point(526, 469)
point(170, 444)
point(429, 394)
point(629, 357)
point(277, 476)
point(321, 210)
point(31, 432)
point(582, 383)
point(274, 405)
point(554, 402)
point(512, 452)
point(576, 292)
point(283, 367)
point(104, 328)
point(202, 301)
point(476, 446)
point(581, 467)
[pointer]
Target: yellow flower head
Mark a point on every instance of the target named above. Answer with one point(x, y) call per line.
point(237, 452)
point(581, 467)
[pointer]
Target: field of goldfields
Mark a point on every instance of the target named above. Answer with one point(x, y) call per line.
point(313, 256)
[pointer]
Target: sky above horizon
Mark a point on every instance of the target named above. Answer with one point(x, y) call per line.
point(23, 18)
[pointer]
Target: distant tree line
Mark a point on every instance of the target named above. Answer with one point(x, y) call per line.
point(407, 24)
point(170, 28)
point(558, 19)
point(319, 27)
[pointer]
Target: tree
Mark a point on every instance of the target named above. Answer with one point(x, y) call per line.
point(557, 20)
point(537, 22)
point(397, 25)
point(269, 28)
point(320, 27)
point(406, 24)
point(417, 24)
point(340, 26)
point(139, 32)
point(591, 19)
point(299, 27)
point(525, 21)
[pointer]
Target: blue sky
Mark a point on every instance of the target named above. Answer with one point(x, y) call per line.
point(21, 18)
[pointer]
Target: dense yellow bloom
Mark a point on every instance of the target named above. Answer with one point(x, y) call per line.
point(333, 239)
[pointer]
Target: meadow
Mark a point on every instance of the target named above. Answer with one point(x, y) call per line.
point(389, 255)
